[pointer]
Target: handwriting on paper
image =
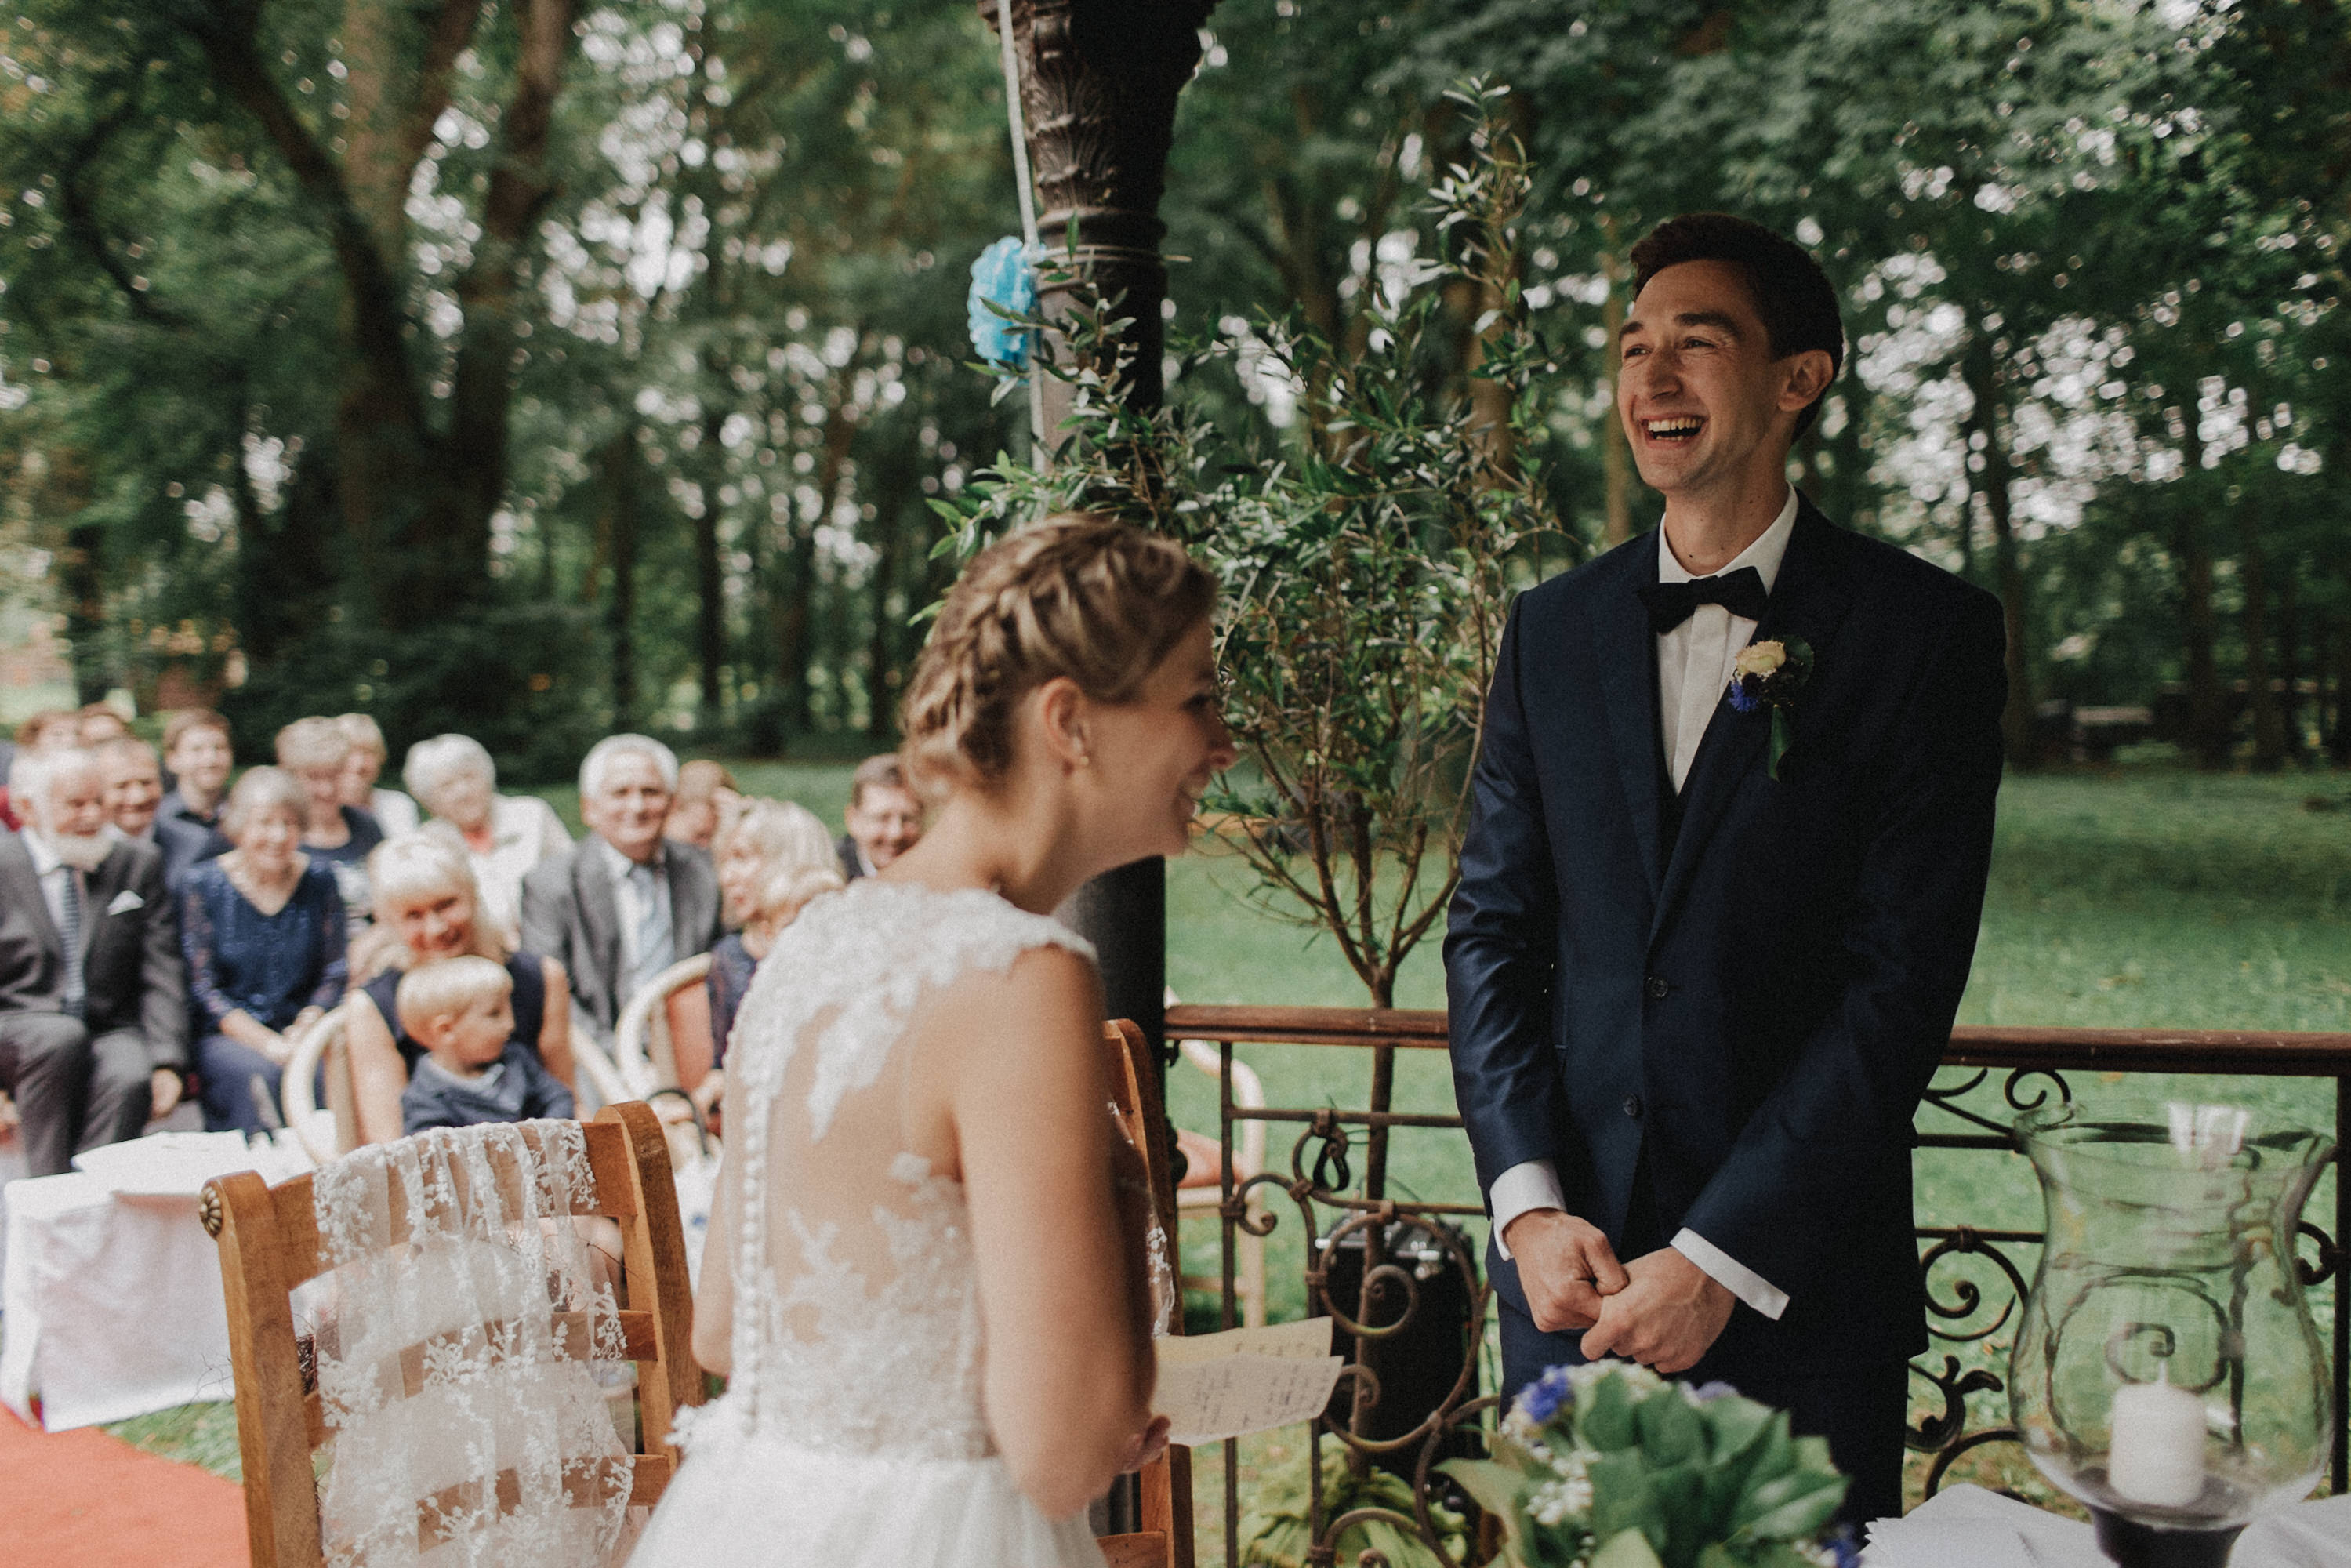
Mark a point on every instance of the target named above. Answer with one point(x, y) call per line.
point(1219, 1385)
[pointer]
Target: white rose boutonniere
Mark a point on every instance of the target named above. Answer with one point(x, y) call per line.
point(1768, 674)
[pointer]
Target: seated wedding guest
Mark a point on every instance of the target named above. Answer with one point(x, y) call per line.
point(773, 857)
point(474, 1069)
point(134, 792)
point(704, 791)
point(196, 750)
point(52, 727)
point(885, 819)
point(97, 724)
point(394, 811)
point(262, 930)
point(93, 1003)
point(452, 778)
point(427, 909)
point(625, 903)
point(315, 751)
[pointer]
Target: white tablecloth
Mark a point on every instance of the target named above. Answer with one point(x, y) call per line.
point(1968, 1527)
point(111, 1299)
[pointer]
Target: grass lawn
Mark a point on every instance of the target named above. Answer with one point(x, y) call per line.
point(2138, 898)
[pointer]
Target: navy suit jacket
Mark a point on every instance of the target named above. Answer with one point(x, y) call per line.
point(1747, 989)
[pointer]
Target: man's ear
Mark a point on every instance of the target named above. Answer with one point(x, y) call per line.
point(1803, 377)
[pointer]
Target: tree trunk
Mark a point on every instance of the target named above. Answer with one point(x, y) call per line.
point(2289, 662)
point(2207, 717)
point(709, 579)
point(2016, 720)
point(2269, 730)
point(1615, 456)
point(2338, 740)
point(623, 496)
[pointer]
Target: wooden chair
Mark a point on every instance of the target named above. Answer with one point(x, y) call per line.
point(328, 1041)
point(1208, 1201)
point(269, 1244)
point(1165, 1484)
point(663, 1040)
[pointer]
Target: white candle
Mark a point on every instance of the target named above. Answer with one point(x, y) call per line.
point(2158, 1454)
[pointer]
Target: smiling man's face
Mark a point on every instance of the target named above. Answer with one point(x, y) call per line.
point(1705, 407)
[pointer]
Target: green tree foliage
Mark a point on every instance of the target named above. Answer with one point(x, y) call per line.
point(442, 361)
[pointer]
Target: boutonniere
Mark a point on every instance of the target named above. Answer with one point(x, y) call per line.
point(1769, 674)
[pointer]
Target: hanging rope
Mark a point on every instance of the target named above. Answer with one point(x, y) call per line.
point(1032, 249)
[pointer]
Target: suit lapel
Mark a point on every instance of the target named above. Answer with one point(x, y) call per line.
point(100, 888)
point(591, 882)
point(1808, 601)
point(689, 914)
point(24, 890)
point(1626, 652)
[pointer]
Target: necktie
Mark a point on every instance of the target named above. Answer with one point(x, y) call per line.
point(69, 932)
point(1670, 603)
point(654, 935)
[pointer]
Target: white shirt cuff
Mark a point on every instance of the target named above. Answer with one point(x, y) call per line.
point(1530, 1185)
point(1730, 1274)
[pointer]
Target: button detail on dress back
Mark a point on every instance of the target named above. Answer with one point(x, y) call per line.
point(1660, 987)
point(1633, 1106)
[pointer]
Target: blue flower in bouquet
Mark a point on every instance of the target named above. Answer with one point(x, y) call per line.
point(1001, 282)
point(1539, 1401)
point(1707, 1393)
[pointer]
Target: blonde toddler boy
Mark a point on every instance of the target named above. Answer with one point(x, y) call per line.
point(462, 1011)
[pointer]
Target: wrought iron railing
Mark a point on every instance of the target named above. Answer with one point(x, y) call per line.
point(1975, 1278)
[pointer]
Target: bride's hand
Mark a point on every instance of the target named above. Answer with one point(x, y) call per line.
point(1147, 1446)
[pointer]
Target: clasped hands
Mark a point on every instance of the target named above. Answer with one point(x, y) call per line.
point(1660, 1310)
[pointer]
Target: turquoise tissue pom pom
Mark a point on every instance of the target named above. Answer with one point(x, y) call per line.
point(1001, 277)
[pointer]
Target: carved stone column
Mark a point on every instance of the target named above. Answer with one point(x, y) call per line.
point(1098, 86)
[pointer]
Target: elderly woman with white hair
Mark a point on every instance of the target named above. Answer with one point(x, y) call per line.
point(626, 903)
point(427, 907)
point(773, 856)
point(452, 778)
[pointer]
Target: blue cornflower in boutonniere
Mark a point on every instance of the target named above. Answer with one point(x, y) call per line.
point(1769, 674)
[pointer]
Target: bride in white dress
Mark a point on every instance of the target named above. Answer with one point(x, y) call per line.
point(932, 1312)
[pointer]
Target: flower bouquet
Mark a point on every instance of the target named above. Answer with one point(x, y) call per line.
point(1610, 1466)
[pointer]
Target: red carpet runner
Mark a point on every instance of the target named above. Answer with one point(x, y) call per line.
point(83, 1500)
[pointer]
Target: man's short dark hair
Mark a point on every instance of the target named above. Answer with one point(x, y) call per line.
point(1792, 294)
point(881, 772)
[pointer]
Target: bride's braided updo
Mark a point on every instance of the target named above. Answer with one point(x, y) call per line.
point(1076, 596)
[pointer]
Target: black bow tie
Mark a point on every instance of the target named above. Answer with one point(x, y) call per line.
point(1670, 603)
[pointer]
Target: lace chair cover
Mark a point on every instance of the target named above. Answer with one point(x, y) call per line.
point(848, 1285)
point(462, 1320)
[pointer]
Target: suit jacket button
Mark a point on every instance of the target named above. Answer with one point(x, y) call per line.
point(1660, 987)
point(1633, 1106)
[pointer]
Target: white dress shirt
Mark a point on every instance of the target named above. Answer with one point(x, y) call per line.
point(629, 906)
point(524, 830)
point(1693, 664)
point(53, 875)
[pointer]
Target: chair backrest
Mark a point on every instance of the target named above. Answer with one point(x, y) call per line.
point(270, 1243)
point(662, 1040)
point(325, 1045)
point(1164, 1540)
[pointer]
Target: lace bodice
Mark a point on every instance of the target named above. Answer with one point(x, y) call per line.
point(847, 1264)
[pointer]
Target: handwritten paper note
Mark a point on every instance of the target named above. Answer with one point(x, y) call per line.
point(1219, 1385)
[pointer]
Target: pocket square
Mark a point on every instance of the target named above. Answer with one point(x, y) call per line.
point(125, 901)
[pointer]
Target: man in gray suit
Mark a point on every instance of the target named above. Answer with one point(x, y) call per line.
point(624, 904)
point(93, 1003)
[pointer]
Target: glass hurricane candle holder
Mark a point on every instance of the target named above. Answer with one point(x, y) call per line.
point(2168, 1372)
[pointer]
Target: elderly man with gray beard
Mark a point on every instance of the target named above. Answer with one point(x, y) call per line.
point(93, 1002)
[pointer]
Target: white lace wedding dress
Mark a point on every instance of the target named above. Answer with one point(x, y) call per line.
point(852, 1434)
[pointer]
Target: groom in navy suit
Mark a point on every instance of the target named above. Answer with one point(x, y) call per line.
point(1706, 953)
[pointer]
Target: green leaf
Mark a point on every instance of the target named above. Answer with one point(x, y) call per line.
point(1622, 1498)
point(1672, 1431)
point(1493, 1487)
point(1626, 1549)
point(1605, 1419)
